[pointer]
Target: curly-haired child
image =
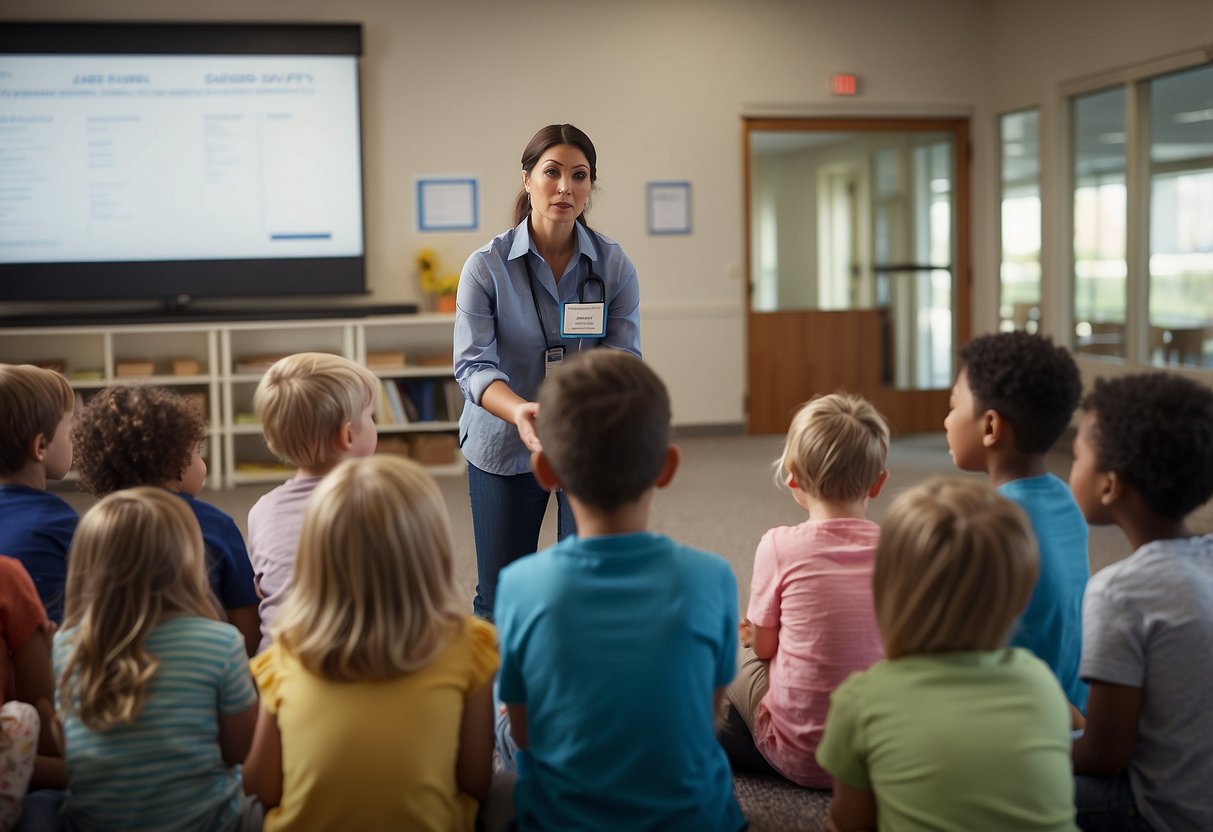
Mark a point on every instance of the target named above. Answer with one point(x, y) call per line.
point(1143, 459)
point(811, 621)
point(35, 446)
point(316, 410)
point(376, 694)
point(155, 695)
point(1012, 401)
point(130, 436)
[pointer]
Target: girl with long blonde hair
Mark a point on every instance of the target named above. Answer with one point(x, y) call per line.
point(376, 708)
point(154, 691)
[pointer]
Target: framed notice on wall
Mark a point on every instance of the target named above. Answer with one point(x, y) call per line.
point(669, 207)
point(447, 204)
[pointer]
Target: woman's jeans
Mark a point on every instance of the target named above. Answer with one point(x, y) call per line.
point(507, 513)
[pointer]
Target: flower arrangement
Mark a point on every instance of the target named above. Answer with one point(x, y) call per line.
point(431, 282)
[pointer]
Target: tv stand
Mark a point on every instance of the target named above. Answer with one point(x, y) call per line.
point(176, 312)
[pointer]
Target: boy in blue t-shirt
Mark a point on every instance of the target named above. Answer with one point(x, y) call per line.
point(616, 644)
point(36, 527)
point(1012, 401)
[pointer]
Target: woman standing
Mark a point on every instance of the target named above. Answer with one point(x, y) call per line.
point(544, 289)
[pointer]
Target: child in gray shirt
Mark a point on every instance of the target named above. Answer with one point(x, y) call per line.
point(1143, 459)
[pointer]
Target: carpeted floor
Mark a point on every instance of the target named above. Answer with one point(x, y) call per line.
point(774, 805)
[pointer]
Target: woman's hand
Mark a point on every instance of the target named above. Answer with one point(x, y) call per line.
point(524, 420)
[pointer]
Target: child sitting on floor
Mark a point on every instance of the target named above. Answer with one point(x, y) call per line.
point(28, 755)
point(155, 695)
point(953, 730)
point(616, 644)
point(315, 409)
point(1143, 459)
point(811, 621)
point(129, 436)
point(376, 708)
point(36, 446)
point(1012, 401)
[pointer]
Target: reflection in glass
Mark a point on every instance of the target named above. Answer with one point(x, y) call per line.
point(1181, 218)
point(1100, 268)
point(1019, 270)
point(859, 221)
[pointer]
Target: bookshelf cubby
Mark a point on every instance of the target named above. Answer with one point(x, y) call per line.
point(224, 360)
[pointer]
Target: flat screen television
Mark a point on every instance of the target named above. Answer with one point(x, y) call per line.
point(179, 161)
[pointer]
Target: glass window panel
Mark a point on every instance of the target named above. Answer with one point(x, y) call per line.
point(1100, 268)
point(1019, 270)
point(1181, 218)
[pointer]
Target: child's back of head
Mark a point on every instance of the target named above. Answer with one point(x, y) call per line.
point(955, 566)
point(1156, 431)
point(33, 402)
point(303, 401)
point(836, 448)
point(604, 422)
point(137, 556)
point(1030, 382)
point(373, 595)
point(953, 726)
point(132, 436)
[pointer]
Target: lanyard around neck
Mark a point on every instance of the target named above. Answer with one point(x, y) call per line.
point(530, 273)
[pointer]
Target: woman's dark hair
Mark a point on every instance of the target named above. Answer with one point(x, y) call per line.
point(551, 136)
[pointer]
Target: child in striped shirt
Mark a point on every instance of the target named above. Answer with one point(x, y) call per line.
point(157, 702)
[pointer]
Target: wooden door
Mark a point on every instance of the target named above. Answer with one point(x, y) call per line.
point(795, 353)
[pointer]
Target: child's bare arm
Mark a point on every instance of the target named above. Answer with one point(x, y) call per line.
point(263, 766)
point(236, 734)
point(518, 726)
point(852, 809)
point(248, 622)
point(1106, 744)
point(34, 679)
point(766, 641)
point(474, 765)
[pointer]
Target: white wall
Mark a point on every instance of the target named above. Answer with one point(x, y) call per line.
point(661, 87)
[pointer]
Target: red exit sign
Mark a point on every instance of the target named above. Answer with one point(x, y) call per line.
point(844, 83)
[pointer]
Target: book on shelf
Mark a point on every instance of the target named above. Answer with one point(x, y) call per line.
point(396, 401)
point(452, 399)
point(383, 408)
point(246, 418)
point(421, 393)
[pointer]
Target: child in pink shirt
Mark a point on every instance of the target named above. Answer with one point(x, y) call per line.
point(811, 620)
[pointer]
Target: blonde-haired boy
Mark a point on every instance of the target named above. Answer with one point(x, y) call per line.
point(953, 726)
point(810, 621)
point(36, 527)
point(316, 410)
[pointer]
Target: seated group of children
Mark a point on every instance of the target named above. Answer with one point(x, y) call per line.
point(933, 670)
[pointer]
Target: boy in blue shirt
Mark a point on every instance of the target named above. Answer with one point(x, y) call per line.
point(131, 436)
point(1012, 401)
point(616, 644)
point(36, 527)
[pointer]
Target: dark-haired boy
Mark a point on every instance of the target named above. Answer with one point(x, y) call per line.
point(36, 527)
point(1143, 459)
point(616, 644)
point(1012, 401)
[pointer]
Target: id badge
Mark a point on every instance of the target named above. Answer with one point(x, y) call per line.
point(583, 320)
point(553, 358)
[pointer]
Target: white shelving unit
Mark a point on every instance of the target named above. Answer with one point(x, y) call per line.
point(90, 356)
